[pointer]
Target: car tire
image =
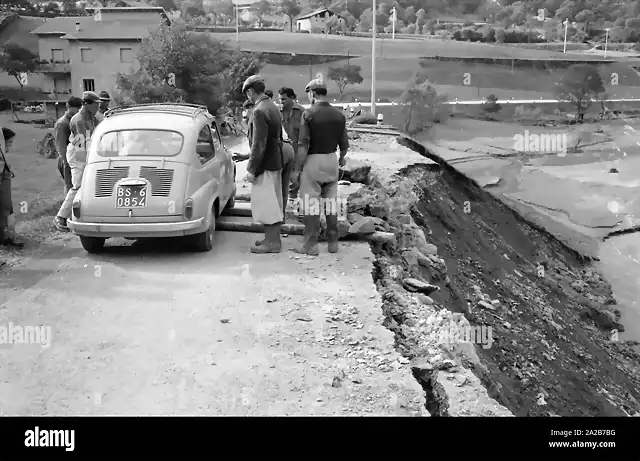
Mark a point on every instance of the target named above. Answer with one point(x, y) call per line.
point(92, 244)
point(204, 240)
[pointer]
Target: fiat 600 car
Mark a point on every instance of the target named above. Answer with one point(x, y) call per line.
point(154, 170)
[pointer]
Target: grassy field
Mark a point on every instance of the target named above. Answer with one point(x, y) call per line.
point(397, 61)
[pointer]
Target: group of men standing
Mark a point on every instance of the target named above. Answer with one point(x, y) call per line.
point(305, 165)
point(72, 133)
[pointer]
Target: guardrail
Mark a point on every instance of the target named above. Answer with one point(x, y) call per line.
point(474, 102)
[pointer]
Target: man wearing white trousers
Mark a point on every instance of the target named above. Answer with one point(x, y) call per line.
point(265, 165)
point(82, 125)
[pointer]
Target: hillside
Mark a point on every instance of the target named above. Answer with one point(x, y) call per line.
point(18, 31)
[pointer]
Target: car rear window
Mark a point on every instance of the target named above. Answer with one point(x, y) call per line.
point(147, 143)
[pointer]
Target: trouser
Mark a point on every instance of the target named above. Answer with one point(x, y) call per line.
point(65, 173)
point(77, 168)
point(6, 206)
point(293, 187)
point(319, 180)
point(286, 181)
point(266, 198)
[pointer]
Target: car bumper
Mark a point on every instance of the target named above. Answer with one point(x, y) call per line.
point(170, 229)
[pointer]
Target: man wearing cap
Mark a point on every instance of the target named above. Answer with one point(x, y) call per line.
point(62, 132)
point(291, 119)
point(322, 131)
point(264, 170)
point(105, 99)
point(82, 126)
point(288, 157)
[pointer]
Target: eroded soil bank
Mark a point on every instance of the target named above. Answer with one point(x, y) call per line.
point(552, 316)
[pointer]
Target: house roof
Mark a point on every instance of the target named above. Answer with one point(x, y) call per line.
point(62, 25)
point(316, 13)
point(112, 30)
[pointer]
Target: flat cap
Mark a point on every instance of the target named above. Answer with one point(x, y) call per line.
point(104, 96)
point(250, 81)
point(315, 84)
point(90, 96)
point(74, 101)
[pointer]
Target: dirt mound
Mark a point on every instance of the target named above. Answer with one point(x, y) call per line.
point(553, 319)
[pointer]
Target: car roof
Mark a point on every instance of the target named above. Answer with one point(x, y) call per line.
point(158, 121)
point(178, 117)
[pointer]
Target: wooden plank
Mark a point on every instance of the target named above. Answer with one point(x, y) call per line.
point(244, 224)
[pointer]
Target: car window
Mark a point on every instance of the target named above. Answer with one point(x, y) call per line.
point(148, 143)
point(216, 138)
point(205, 148)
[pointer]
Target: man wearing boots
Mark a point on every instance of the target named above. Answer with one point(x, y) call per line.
point(322, 131)
point(264, 170)
point(82, 125)
point(291, 117)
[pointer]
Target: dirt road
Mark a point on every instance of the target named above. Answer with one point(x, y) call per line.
point(146, 330)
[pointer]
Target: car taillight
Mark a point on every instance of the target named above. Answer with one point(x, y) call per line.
point(76, 209)
point(188, 209)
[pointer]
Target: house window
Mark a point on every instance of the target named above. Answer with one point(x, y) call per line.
point(126, 55)
point(86, 54)
point(57, 55)
point(89, 84)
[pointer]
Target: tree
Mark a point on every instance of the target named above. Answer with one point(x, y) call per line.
point(348, 74)
point(52, 9)
point(291, 9)
point(366, 20)
point(16, 60)
point(410, 15)
point(178, 65)
point(580, 85)
point(421, 20)
point(491, 105)
point(168, 5)
point(263, 8)
point(422, 106)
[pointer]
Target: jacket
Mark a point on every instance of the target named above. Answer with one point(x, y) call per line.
point(291, 120)
point(323, 130)
point(62, 133)
point(265, 138)
point(82, 125)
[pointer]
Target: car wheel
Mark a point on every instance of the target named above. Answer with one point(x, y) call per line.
point(204, 240)
point(92, 244)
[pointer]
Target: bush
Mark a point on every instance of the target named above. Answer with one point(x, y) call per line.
point(410, 29)
point(422, 106)
point(489, 35)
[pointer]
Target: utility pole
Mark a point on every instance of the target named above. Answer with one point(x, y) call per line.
point(373, 61)
point(393, 23)
point(237, 24)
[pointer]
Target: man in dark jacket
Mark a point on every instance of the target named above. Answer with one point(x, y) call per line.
point(322, 132)
point(264, 170)
point(62, 132)
point(291, 118)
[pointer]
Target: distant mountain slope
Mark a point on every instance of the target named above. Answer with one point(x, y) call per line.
point(19, 32)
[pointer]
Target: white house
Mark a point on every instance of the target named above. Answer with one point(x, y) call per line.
point(315, 21)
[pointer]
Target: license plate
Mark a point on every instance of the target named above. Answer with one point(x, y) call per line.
point(131, 196)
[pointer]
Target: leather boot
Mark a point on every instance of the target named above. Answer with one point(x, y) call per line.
point(271, 242)
point(311, 231)
point(332, 233)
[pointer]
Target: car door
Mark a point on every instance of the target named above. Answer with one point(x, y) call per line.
point(208, 173)
point(227, 165)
